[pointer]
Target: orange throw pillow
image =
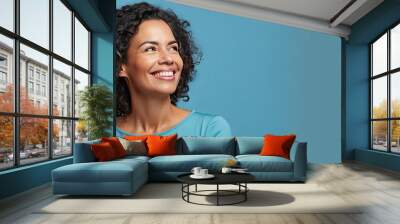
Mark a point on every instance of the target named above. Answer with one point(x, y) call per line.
point(161, 145)
point(103, 151)
point(277, 145)
point(116, 145)
point(135, 138)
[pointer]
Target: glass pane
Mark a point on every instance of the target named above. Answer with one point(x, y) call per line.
point(395, 47)
point(6, 142)
point(81, 45)
point(35, 21)
point(34, 97)
point(81, 81)
point(379, 100)
point(7, 14)
point(62, 29)
point(6, 74)
point(62, 141)
point(81, 131)
point(395, 136)
point(33, 140)
point(379, 55)
point(379, 135)
point(62, 89)
point(395, 94)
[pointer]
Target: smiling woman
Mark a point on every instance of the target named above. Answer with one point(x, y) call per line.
point(156, 60)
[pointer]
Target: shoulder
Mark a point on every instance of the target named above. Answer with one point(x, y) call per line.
point(214, 125)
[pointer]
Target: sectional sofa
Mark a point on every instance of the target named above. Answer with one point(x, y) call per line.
point(125, 176)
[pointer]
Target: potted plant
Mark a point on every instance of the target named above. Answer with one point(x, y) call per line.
point(96, 111)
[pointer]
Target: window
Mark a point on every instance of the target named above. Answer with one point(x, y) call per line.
point(385, 91)
point(38, 74)
point(39, 81)
point(43, 90)
point(3, 71)
point(30, 72)
point(3, 61)
point(30, 87)
point(38, 89)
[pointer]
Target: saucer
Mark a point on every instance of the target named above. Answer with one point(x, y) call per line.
point(208, 176)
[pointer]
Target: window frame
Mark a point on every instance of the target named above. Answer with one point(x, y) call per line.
point(388, 74)
point(16, 115)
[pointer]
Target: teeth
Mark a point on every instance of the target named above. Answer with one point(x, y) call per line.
point(165, 74)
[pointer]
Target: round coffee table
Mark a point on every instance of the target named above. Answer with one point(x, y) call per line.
point(238, 179)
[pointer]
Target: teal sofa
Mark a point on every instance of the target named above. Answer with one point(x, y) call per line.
point(125, 176)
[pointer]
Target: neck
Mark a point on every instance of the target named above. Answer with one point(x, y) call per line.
point(150, 114)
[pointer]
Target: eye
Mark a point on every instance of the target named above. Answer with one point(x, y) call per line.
point(175, 48)
point(150, 49)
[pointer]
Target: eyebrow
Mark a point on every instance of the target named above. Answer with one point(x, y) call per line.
point(156, 43)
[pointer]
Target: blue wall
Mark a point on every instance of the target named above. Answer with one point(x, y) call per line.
point(24, 178)
point(357, 84)
point(267, 78)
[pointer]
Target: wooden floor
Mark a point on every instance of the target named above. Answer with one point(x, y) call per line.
point(378, 188)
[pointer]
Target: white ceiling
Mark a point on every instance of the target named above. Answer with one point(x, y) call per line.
point(316, 15)
point(319, 9)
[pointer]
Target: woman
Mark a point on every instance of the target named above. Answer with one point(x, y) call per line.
point(156, 60)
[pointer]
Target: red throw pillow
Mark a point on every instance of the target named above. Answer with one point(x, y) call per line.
point(161, 145)
point(103, 151)
point(116, 145)
point(277, 145)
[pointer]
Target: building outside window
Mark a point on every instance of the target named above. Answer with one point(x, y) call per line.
point(58, 127)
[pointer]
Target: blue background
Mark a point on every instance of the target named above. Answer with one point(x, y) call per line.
point(267, 78)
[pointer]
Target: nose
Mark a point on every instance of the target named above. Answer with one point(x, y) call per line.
point(165, 57)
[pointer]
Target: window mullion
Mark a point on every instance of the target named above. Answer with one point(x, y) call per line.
point(50, 81)
point(16, 83)
point(389, 113)
point(73, 82)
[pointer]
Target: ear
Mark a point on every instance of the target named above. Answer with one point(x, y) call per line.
point(123, 72)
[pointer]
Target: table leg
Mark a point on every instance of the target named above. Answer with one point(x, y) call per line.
point(217, 194)
point(196, 188)
point(188, 190)
point(245, 193)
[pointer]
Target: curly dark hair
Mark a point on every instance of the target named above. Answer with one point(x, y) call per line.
point(129, 18)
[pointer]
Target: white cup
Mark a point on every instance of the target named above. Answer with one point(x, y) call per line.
point(203, 172)
point(196, 171)
point(226, 170)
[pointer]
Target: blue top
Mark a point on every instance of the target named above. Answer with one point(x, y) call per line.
point(195, 124)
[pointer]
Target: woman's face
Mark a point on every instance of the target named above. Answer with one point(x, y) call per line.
point(153, 62)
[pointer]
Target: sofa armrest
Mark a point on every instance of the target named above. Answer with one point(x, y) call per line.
point(83, 153)
point(300, 162)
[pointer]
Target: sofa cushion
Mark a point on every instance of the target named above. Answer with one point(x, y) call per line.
point(206, 145)
point(83, 152)
point(161, 145)
point(111, 171)
point(249, 145)
point(185, 163)
point(103, 152)
point(257, 163)
point(135, 147)
point(277, 145)
point(116, 145)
